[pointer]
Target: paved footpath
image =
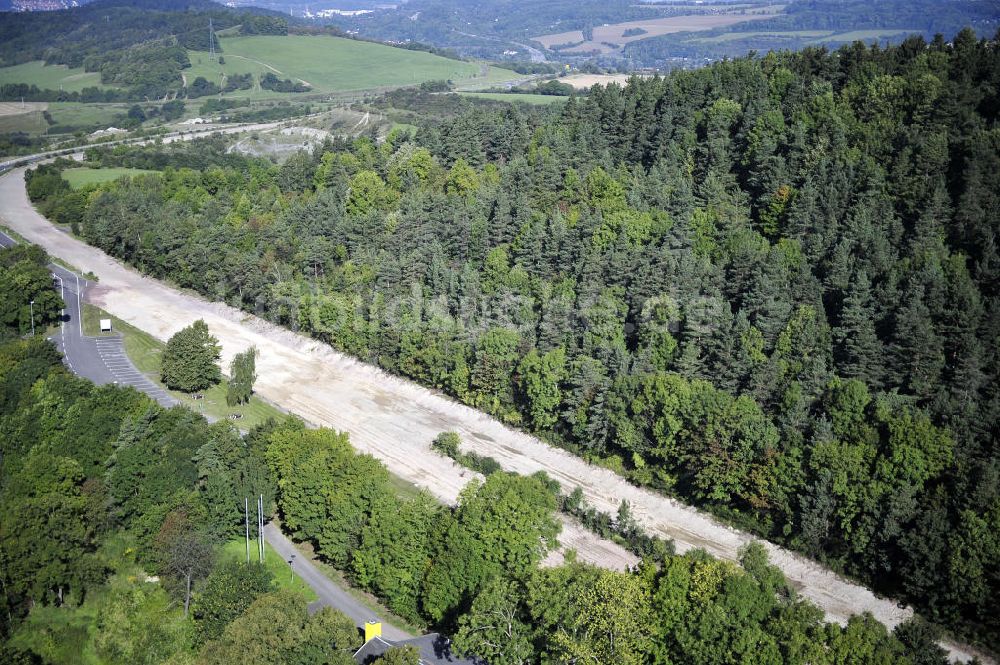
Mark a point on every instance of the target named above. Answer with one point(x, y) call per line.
point(329, 592)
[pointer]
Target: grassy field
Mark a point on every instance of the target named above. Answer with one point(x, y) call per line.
point(75, 113)
point(83, 176)
point(52, 77)
point(868, 35)
point(68, 117)
point(30, 122)
point(284, 577)
point(541, 100)
point(146, 352)
point(333, 64)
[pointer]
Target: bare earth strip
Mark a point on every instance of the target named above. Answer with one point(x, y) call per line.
point(20, 108)
point(587, 81)
point(395, 420)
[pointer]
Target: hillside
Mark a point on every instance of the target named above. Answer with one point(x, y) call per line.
point(325, 63)
point(766, 288)
point(633, 35)
point(134, 50)
point(813, 23)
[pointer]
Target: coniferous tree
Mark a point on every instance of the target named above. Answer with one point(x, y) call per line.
point(858, 350)
point(918, 350)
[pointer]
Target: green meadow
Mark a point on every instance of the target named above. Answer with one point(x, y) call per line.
point(83, 176)
point(52, 77)
point(334, 64)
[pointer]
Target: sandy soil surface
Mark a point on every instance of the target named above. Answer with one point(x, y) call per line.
point(587, 81)
point(19, 108)
point(396, 420)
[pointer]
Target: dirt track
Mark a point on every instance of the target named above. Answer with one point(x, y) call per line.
point(396, 420)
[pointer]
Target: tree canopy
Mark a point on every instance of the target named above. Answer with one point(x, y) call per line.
point(190, 361)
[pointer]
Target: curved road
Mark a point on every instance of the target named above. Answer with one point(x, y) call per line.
point(329, 592)
point(100, 359)
point(396, 420)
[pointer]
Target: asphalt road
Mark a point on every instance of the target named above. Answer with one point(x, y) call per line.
point(100, 359)
point(103, 360)
point(330, 594)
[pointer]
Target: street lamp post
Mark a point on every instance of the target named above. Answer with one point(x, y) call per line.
point(31, 306)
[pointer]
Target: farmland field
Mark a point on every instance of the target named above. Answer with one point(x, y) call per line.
point(867, 35)
point(333, 64)
point(587, 81)
point(52, 77)
point(26, 117)
point(653, 27)
point(77, 114)
point(67, 116)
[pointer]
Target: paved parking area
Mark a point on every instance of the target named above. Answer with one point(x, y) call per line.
point(100, 359)
point(112, 353)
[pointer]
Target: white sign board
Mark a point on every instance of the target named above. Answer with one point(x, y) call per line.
point(105, 325)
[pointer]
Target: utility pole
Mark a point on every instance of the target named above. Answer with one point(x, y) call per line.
point(31, 306)
point(260, 528)
point(246, 516)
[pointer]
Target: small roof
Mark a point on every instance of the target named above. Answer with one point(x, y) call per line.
point(433, 648)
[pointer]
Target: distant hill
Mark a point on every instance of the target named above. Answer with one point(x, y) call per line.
point(115, 51)
point(138, 46)
point(822, 23)
point(632, 34)
point(69, 37)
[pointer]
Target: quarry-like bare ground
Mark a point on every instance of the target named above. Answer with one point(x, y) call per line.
point(395, 420)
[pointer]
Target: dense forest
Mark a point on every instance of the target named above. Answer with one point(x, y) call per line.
point(71, 36)
point(102, 487)
point(768, 287)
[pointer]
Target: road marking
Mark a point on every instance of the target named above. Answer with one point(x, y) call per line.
point(79, 307)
